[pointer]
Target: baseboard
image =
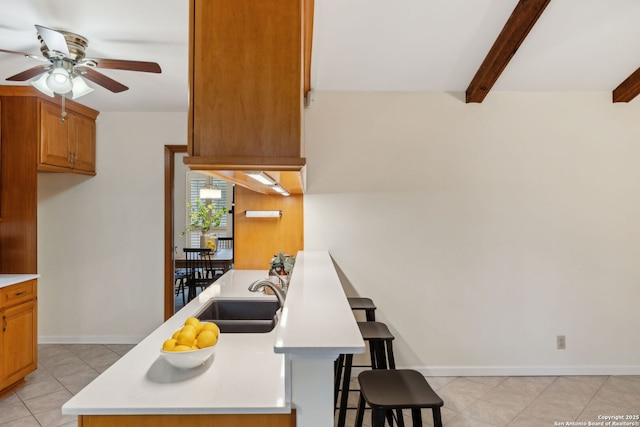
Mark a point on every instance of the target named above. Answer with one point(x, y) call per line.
point(101, 339)
point(513, 371)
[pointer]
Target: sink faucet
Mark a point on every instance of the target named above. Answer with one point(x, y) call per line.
point(260, 284)
point(283, 281)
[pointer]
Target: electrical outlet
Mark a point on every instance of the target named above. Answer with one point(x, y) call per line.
point(561, 342)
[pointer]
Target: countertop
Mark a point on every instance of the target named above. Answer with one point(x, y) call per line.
point(249, 373)
point(317, 321)
point(244, 375)
point(12, 279)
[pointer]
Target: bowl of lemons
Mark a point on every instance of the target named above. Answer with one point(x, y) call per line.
point(192, 345)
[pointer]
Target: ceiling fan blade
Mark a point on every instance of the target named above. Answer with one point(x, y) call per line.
point(102, 80)
point(29, 55)
point(15, 52)
point(53, 39)
point(28, 74)
point(123, 64)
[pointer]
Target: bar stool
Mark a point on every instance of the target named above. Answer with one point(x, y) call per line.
point(396, 389)
point(380, 341)
point(366, 304)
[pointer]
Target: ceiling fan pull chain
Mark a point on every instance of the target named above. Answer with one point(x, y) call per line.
point(64, 113)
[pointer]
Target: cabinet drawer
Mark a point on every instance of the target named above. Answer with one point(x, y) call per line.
point(18, 293)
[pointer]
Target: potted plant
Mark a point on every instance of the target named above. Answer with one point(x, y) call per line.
point(282, 264)
point(205, 217)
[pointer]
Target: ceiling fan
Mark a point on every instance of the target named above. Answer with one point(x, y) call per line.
point(66, 65)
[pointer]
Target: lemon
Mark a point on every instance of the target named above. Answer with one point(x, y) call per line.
point(186, 337)
point(189, 328)
point(207, 338)
point(169, 345)
point(183, 348)
point(210, 326)
point(195, 322)
point(175, 334)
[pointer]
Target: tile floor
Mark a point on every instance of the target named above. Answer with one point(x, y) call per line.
point(63, 370)
point(528, 401)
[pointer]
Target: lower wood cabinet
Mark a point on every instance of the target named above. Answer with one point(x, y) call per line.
point(217, 420)
point(18, 338)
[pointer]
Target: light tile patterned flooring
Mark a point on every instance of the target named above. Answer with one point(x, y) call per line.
point(63, 370)
point(527, 401)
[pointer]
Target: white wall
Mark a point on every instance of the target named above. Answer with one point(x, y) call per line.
point(100, 239)
point(482, 231)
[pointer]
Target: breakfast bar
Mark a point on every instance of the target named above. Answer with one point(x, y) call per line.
point(278, 376)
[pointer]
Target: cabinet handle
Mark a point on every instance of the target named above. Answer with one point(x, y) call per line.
point(4, 323)
point(17, 294)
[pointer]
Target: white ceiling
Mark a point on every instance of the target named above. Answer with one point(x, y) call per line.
point(386, 45)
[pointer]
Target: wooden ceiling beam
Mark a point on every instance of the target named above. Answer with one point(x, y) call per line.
point(521, 21)
point(628, 89)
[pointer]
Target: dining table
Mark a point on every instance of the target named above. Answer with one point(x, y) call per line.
point(222, 259)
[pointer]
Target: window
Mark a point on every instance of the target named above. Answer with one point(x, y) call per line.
point(196, 181)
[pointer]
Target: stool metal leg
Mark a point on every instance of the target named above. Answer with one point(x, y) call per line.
point(437, 419)
point(339, 364)
point(392, 360)
point(342, 413)
point(381, 357)
point(416, 415)
point(372, 353)
point(360, 413)
point(371, 315)
point(377, 417)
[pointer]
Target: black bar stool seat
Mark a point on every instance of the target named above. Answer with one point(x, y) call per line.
point(396, 389)
point(366, 304)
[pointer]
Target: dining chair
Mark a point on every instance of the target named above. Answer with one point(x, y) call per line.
point(199, 265)
point(180, 278)
point(225, 243)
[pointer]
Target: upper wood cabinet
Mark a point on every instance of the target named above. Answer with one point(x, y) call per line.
point(246, 66)
point(69, 145)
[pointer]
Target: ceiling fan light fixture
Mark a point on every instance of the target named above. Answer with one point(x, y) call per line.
point(80, 87)
point(41, 85)
point(59, 81)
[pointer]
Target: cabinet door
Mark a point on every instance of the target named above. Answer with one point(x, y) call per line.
point(19, 348)
point(82, 140)
point(247, 78)
point(54, 142)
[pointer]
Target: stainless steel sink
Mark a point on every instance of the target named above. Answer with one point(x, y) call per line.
point(241, 315)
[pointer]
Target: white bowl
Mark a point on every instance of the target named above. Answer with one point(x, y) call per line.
point(188, 359)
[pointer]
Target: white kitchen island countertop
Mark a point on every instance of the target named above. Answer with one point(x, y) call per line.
point(12, 279)
point(244, 375)
point(289, 367)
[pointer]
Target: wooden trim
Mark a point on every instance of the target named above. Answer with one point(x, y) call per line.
point(191, 77)
point(190, 420)
point(169, 175)
point(29, 91)
point(628, 89)
point(245, 163)
point(521, 21)
point(308, 10)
